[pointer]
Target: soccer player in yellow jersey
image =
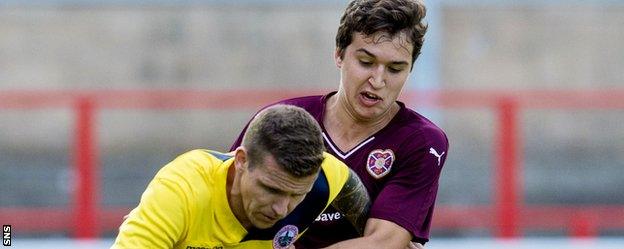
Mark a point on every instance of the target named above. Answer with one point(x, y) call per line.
point(262, 195)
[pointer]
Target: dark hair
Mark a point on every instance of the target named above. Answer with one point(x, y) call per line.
point(288, 133)
point(390, 16)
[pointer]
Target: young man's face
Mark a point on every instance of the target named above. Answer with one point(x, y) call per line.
point(373, 70)
point(269, 193)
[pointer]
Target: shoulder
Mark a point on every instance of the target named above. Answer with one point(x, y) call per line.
point(191, 167)
point(314, 104)
point(419, 131)
point(336, 172)
point(195, 177)
point(418, 142)
point(305, 100)
point(333, 166)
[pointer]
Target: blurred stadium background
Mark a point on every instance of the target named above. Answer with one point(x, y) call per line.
point(96, 96)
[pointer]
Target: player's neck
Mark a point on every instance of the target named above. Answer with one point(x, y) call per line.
point(345, 130)
point(234, 198)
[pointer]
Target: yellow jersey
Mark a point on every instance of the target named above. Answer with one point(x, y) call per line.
point(185, 206)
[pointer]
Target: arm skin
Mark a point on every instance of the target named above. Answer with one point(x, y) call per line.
point(380, 234)
point(415, 245)
point(353, 202)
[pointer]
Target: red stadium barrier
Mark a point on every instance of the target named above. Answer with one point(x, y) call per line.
point(506, 217)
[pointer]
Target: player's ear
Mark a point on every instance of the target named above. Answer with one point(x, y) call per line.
point(240, 159)
point(338, 57)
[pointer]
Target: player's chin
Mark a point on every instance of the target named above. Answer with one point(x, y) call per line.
point(370, 113)
point(264, 223)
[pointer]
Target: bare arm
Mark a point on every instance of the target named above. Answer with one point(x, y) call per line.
point(379, 234)
point(353, 202)
point(415, 245)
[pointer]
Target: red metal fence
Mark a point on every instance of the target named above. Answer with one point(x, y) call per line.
point(506, 217)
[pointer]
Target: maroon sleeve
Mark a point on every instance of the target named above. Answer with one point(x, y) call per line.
point(408, 197)
point(239, 140)
point(304, 102)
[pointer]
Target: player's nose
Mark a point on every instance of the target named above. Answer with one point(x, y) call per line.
point(280, 207)
point(377, 79)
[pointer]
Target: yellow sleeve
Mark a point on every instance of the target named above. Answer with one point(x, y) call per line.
point(159, 219)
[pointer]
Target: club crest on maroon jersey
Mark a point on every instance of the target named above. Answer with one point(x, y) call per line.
point(379, 162)
point(285, 237)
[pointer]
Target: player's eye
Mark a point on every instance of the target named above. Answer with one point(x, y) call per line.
point(366, 63)
point(395, 69)
point(272, 190)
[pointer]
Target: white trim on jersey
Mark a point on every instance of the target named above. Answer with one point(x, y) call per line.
point(338, 152)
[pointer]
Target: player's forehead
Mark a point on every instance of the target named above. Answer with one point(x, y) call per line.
point(383, 45)
point(272, 175)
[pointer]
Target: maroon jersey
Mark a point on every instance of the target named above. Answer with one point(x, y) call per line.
point(399, 165)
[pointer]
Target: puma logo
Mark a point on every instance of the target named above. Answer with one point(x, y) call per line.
point(435, 153)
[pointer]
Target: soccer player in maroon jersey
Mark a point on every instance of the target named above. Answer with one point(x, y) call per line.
point(397, 153)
